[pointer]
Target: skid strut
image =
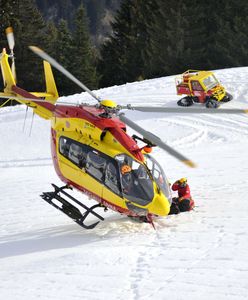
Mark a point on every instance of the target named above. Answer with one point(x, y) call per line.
point(68, 208)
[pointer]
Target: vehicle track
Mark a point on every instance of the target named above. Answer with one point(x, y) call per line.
point(20, 163)
point(140, 274)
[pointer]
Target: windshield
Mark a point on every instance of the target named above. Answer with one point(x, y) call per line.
point(210, 82)
point(136, 183)
point(158, 175)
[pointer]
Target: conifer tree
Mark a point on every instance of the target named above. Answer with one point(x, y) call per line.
point(64, 52)
point(195, 36)
point(30, 31)
point(52, 34)
point(29, 27)
point(113, 51)
point(126, 55)
point(229, 40)
point(84, 63)
point(178, 40)
point(8, 18)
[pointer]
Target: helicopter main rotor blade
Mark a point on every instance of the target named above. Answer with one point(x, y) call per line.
point(59, 67)
point(156, 140)
point(187, 110)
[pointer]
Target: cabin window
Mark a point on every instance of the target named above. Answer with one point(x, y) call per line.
point(64, 146)
point(98, 165)
point(95, 165)
point(111, 178)
point(75, 153)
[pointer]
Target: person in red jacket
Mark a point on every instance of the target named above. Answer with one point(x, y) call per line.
point(184, 201)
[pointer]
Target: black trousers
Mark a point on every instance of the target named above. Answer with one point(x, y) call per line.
point(177, 207)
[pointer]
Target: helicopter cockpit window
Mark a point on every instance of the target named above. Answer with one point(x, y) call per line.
point(158, 175)
point(136, 184)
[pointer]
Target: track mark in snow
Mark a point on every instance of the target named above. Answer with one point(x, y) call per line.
point(198, 133)
point(20, 163)
point(141, 272)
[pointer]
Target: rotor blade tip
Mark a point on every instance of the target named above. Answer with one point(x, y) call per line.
point(9, 30)
point(35, 49)
point(189, 163)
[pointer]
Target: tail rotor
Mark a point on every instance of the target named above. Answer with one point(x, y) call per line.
point(11, 42)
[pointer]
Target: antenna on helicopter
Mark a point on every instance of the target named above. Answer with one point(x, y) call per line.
point(11, 42)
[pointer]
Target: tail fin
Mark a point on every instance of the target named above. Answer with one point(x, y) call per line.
point(44, 108)
point(51, 95)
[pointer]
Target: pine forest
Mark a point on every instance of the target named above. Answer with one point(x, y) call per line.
point(107, 42)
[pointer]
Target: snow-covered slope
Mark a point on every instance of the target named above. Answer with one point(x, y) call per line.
point(196, 255)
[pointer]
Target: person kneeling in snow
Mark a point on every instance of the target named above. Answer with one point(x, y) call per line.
point(184, 201)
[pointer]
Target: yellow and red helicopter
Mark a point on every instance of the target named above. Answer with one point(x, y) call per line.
point(92, 151)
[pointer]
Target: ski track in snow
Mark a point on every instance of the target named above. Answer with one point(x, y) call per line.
point(38, 162)
point(197, 255)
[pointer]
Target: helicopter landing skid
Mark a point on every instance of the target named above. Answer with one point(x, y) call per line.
point(56, 200)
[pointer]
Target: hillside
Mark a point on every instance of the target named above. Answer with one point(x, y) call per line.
point(200, 254)
point(100, 13)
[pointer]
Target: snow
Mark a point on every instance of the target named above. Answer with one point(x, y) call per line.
point(195, 255)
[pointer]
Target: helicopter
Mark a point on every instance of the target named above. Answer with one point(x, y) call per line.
point(92, 151)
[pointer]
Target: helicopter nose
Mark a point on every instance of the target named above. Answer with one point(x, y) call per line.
point(160, 206)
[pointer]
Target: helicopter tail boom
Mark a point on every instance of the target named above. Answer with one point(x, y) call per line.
point(41, 107)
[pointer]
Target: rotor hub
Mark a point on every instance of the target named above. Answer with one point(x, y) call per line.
point(108, 104)
point(110, 108)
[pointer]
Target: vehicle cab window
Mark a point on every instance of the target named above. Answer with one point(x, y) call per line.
point(196, 86)
point(210, 82)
